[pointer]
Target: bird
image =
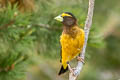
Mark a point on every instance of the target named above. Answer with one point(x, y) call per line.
point(71, 40)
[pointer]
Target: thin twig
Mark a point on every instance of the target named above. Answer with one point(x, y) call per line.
point(87, 27)
point(47, 27)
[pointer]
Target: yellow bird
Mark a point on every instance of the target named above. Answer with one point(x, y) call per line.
point(71, 40)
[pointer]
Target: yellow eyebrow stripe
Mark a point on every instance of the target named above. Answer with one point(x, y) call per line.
point(64, 14)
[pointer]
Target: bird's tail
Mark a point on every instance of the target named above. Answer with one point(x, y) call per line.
point(62, 70)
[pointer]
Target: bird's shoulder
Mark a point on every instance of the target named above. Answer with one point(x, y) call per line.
point(75, 33)
point(78, 31)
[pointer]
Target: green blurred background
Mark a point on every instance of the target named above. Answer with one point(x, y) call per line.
point(29, 39)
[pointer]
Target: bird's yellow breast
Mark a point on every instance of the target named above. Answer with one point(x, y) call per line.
point(71, 44)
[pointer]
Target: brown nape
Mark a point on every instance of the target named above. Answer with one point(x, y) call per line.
point(69, 21)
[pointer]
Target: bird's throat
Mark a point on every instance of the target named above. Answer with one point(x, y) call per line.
point(69, 31)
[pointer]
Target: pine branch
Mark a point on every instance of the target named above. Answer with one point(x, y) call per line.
point(87, 27)
point(7, 25)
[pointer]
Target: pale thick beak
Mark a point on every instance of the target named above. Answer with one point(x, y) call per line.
point(59, 18)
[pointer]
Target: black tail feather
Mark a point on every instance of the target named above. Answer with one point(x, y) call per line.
point(62, 70)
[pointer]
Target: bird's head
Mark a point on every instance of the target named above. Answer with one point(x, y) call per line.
point(67, 18)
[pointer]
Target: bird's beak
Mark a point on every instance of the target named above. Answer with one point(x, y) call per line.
point(59, 18)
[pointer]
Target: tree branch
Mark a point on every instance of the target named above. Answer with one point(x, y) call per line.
point(47, 27)
point(87, 27)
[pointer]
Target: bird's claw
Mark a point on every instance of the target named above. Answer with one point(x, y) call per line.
point(71, 69)
point(80, 59)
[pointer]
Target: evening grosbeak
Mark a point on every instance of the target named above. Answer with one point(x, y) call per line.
point(71, 40)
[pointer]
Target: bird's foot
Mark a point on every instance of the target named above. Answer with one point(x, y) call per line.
point(71, 70)
point(80, 59)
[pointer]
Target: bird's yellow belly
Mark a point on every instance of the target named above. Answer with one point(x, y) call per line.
point(70, 48)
